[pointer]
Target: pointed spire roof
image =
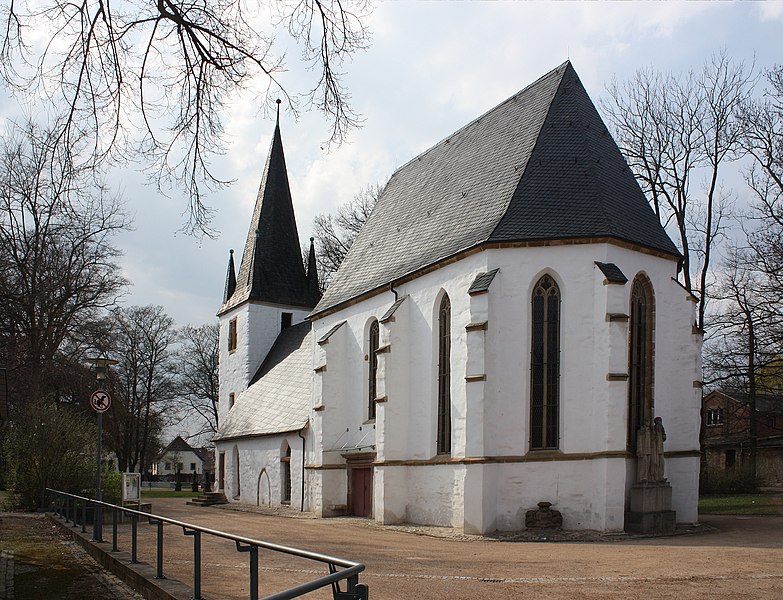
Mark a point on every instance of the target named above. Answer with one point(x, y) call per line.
point(312, 274)
point(271, 269)
point(538, 167)
point(231, 278)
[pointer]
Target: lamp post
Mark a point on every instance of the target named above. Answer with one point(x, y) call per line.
point(100, 402)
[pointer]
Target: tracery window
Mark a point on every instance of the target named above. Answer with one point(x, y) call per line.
point(374, 342)
point(444, 377)
point(545, 365)
point(640, 357)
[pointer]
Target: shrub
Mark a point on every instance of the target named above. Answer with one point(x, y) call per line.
point(50, 446)
point(735, 481)
point(111, 486)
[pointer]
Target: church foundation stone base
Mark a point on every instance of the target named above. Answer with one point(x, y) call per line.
point(651, 512)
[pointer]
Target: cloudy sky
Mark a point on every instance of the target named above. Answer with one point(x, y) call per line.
point(430, 68)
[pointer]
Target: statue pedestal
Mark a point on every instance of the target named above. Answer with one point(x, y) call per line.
point(651, 509)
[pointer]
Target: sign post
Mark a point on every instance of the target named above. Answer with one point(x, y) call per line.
point(100, 401)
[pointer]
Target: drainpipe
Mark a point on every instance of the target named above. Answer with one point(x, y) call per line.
point(299, 433)
point(393, 291)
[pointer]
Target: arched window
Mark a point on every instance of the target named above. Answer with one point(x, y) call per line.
point(237, 483)
point(374, 342)
point(285, 474)
point(444, 377)
point(545, 365)
point(640, 357)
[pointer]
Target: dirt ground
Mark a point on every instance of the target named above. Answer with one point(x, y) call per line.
point(741, 558)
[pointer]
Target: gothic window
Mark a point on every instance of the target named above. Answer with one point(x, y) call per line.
point(640, 357)
point(285, 464)
point(545, 365)
point(232, 335)
point(444, 377)
point(237, 471)
point(231, 401)
point(374, 342)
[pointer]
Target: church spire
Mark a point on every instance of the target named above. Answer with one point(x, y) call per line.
point(231, 278)
point(271, 268)
point(312, 274)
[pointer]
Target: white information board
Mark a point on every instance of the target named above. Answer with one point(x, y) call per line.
point(131, 487)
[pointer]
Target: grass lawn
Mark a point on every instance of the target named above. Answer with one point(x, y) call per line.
point(741, 504)
point(169, 493)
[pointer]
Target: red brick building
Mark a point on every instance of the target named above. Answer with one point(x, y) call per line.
point(727, 435)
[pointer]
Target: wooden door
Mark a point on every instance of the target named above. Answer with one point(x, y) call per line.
point(222, 468)
point(361, 491)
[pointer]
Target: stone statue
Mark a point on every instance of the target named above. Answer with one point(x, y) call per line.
point(649, 451)
point(644, 451)
point(656, 461)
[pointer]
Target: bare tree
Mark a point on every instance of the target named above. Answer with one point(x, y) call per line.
point(58, 267)
point(168, 68)
point(334, 234)
point(197, 374)
point(144, 387)
point(673, 130)
point(745, 338)
point(763, 140)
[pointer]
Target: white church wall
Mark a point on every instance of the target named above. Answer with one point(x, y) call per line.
point(677, 392)
point(258, 326)
point(436, 495)
point(589, 494)
point(491, 418)
point(261, 469)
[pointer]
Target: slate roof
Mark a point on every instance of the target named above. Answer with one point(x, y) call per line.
point(612, 272)
point(271, 269)
point(278, 398)
point(540, 166)
point(482, 282)
point(392, 309)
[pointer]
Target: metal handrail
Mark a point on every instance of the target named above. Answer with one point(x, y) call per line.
point(349, 572)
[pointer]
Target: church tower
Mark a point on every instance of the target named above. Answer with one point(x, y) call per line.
point(271, 290)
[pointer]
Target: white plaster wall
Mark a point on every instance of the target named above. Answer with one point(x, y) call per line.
point(258, 326)
point(260, 469)
point(435, 495)
point(491, 418)
point(589, 494)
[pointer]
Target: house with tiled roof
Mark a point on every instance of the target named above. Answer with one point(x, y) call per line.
point(179, 456)
point(505, 323)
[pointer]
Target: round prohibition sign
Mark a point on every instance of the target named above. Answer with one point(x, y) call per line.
point(100, 401)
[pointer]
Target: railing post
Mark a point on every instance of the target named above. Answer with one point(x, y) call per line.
point(253, 549)
point(84, 517)
point(159, 564)
point(74, 509)
point(114, 515)
point(97, 527)
point(196, 562)
point(254, 573)
point(134, 542)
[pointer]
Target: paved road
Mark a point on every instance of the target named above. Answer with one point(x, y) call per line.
point(742, 560)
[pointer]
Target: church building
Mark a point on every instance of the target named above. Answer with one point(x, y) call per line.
point(507, 319)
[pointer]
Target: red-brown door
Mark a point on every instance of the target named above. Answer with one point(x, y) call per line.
point(361, 491)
